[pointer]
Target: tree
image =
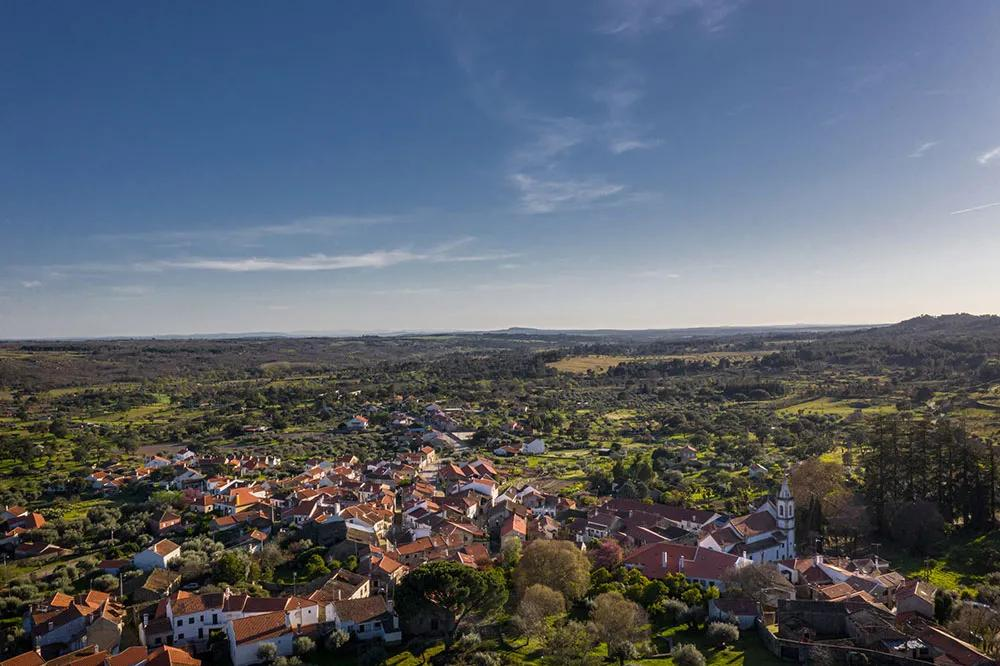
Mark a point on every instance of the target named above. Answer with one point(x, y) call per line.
point(687, 655)
point(559, 565)
point(538, 604)
point(337, 639)
point(315, 567)
point(620, 623)
point(451, 589)
point(607, 555)
point(267, 653)
point(755, 581)
point(303, 645)
point(569, 645)
point(721, 633)
point(231, 567)
point(918, 526)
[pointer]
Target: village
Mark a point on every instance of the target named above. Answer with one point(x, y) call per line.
point(364, 526)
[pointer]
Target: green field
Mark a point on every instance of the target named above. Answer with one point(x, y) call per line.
point(836, 407)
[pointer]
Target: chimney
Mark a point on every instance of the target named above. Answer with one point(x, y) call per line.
point(145, 619)
point(817, 558)
point(51, 624)
point(680, 564)
point(665, 559)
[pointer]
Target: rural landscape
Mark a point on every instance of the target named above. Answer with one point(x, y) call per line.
point(519, 333)
point(511, 497)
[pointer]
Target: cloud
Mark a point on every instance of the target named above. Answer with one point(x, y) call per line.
point(376, 259)
point(658, 274)
point(923, 148)
point(620, 146)
point(552, 139)
point(989, 156)
point(321, 225)
point(637, 17)
point(130, 290)
point(975, 208)
point(31, 284)
point(548, 196)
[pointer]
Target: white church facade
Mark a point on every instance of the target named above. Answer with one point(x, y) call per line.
point(766, 535)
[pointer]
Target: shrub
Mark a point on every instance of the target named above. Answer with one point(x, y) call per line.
point(687, 655)
point(720, 633)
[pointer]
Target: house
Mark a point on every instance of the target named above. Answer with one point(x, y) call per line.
point(356, 423)
point(113, 567)
point(44, 551)
point(742, 612)
point(367, 619)
point(515, 528)
point(535, 446)
point(916, 596)
point(158, 584)
point(699, 565)
point(687, 453)
point(159, 555)
point(166, 522)
point(246, 635)
point(70, 623)
point(157, 462)
point(757, 471)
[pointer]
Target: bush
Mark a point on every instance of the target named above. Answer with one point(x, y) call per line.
point(687, 655)
point(720, 633)
point(303, 645)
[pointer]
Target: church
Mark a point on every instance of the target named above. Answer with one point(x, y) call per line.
point(766, 535)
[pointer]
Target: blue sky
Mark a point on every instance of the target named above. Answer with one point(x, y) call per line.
point(182, 167)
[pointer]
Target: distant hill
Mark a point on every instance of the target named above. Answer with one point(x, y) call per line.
point(678, 333)
point(962, 324)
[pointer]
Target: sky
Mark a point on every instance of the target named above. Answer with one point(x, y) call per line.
point(187, 167)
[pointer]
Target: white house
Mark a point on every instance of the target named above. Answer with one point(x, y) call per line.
point(156, 462)
point(247, 634)
point(357, 422)
point(535, 446)
point(157, 556)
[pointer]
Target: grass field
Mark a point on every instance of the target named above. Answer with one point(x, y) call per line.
point(582, 364)
point(601, 363)
point(835, 407)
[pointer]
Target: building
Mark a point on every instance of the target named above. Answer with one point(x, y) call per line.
point(157, 556)
point(766, 535)
point(699, 565)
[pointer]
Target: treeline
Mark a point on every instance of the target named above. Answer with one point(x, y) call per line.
point(915, 467)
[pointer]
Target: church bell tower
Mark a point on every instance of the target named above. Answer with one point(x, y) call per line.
point(786, 517)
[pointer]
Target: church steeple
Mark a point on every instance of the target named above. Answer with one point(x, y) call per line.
point(785, 519)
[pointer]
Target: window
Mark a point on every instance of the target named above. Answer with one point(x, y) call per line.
point(191, 620)
point(781, 510)
point(215, 618)
point(201, 632)
point(180, 637)
point(180, 623)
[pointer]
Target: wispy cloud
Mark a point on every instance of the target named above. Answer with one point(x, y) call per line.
point(922, 149)
point(636, 17)
point(989, 156)
point(620, 146)
point(547, 196)
point(320, 225)
point(975, 208)
point(31, 284)
point(623, 92)
point(376, 259)
point(657, 274)
point(130, 290)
